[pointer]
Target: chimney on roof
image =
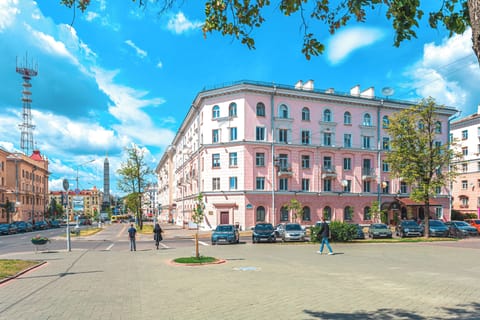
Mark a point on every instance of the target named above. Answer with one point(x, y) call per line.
point(299, 85)
point(308, 85)
point(355, 91)
point(368, 93)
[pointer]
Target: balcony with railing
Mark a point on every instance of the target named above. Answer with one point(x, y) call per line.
point(284, 170)
point(368, 174)
point(328, 172)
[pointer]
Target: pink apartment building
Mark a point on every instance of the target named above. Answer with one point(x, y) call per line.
point(251, 147)
point(465, 188)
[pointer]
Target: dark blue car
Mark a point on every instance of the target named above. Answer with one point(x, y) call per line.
point(225, 233)
point(263, 232)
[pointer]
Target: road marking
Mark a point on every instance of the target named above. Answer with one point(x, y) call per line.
point(203, 243)
point(164, 246)
point(109, 247)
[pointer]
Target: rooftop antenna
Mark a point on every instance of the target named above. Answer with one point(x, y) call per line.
point(26, 127)
point(387, 92)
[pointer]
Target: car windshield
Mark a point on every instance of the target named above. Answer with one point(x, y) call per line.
point(435, 223)
point(224, 228)
point(292, 227)
point(265, 227)
point(410, 223)
point(379, 226)
point(461, 224)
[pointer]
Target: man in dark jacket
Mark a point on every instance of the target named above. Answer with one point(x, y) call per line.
point(157, 234)
point(132, 232)
point(324, 234)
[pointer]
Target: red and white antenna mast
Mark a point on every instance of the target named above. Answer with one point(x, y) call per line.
point(26, 127)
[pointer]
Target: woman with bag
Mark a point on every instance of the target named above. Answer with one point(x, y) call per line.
point(157, 234)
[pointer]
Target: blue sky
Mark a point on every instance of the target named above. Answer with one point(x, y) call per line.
point(122, 74)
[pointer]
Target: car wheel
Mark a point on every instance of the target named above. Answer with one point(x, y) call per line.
point(253, 240)
point(402, 235)
point(213, 243)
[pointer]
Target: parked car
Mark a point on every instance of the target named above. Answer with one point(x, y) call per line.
point(360, 234)
point(409, 228)
point(379, 230)
point(279, 230)
point(436, 228)
point(40, 225)
point(23, 226)
point(293, 232)
point(13, 228)
point(225, 233)
point(460, 229)
point(54, 224)
point(263, 232)
point(474, 223)
point(5, 228)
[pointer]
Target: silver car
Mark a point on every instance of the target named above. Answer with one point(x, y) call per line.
point(293, 232)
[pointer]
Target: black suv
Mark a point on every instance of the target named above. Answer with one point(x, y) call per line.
point(408, 228)
point(263, 232)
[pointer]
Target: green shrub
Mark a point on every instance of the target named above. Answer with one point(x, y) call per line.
point(340, 231)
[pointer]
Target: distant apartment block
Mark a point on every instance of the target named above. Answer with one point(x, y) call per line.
point(251, 147)
point(466, 187)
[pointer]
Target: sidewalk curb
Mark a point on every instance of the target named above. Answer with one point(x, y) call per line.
point(39, 264)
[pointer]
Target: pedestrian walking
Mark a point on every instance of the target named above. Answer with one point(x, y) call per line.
point(132, 232)
point(157, 234)
point(324, 234)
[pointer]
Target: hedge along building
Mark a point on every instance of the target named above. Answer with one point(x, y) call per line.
point(251, 147)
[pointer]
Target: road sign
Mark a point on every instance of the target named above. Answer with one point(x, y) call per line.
point(66, 185)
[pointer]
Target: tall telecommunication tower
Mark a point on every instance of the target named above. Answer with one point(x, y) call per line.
point(26, 127)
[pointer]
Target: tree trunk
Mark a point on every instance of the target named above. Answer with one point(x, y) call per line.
point(197, 253)
point(474, 11)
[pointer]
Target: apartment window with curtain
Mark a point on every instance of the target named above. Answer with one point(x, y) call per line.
point(216, 160)
point(283, 184)
point(233, 183)
point(305, 184)
point(305, 161)
point(283, 135)
point(233, 134)
point(260, 183)
point(347, 140)
point(347, 163)
point(233, 159)
point(347, 118)
point(215, 135)
point(305, 114)
point(260, 109)
point(260, 159)
point(215, 183)
point(305, 136)
point(260, 133)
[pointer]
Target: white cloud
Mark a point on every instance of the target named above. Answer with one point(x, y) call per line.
point(127, 109)
point(90, 16)
point(141, 53)
point(448, 72)
point(347, 41)
point(180, 24)
point(8, 13)
point(159, 64)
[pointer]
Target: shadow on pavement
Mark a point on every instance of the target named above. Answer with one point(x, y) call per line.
point(463, 311)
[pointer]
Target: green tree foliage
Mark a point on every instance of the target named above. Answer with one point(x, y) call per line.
point(133, 179)
point(416, 157)
point(239, 18)
point(297, 209)
point(197, 217)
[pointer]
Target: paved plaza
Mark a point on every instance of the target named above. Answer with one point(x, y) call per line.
point(261, 281)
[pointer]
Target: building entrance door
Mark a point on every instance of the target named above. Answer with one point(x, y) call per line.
point(224, 217)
